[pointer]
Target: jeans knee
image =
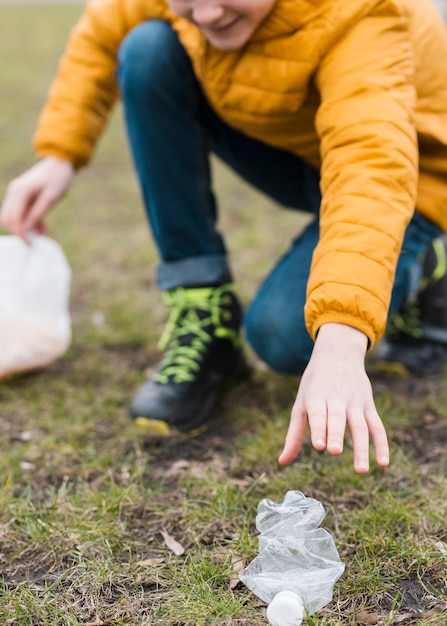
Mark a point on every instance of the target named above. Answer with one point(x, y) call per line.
point(282, 343)
point(144, 55)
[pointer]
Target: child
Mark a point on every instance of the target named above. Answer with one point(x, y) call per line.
point(333, 107)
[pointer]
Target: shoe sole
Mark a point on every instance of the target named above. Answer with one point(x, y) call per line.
point(200, 422)
point(391, 367)
point(397, 367)
point(163, 430)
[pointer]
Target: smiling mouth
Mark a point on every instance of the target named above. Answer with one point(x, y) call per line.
point(223, 29)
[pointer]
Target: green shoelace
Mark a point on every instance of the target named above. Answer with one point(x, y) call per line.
point(195, 318)
point(408, 321)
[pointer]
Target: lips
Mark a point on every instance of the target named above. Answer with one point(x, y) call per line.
point(224, 28)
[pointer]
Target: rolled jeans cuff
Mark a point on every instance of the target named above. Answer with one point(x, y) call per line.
point(194, 272)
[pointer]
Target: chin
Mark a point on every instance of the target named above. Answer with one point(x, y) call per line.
point(228, 45)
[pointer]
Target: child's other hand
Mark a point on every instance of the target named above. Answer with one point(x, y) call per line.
point(335, 391)
point(30, 196)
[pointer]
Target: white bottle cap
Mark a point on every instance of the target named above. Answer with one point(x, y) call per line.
point(286, 609)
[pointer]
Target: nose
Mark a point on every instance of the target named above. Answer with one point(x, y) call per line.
point(206, 12)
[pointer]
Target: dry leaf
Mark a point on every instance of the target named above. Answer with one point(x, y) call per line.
point(242, 483)
point(172, 543)
point(441, 547)
point(366, 618)
point(410, 617)
point(26, 435)
point(151, 561)
point(237, 566)
point(108, 622)
point(27, 466)
point(200, 471)
point(177, 468)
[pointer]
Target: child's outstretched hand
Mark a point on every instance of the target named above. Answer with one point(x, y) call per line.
point(335, 391)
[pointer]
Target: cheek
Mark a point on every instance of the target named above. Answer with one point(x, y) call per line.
point(179, 8)
point(263, 9)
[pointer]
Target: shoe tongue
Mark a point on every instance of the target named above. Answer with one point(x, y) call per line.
point(194, 316)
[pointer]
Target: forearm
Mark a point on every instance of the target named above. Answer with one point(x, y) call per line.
point(369, 174)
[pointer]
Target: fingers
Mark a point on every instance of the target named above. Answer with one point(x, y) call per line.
point(363, 424)
point(295, 435)
point(327, 427)
point(29, 197)
point(379, 437)
point(24, 208)
point(360, 440)
point(34, 220)
point(336, 426)
point(15, 207)
point(327, 431)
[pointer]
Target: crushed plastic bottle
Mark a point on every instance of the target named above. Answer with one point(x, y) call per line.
point(298, 563)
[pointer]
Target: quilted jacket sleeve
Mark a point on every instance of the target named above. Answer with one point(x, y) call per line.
point(369, 173)
point(85, 87)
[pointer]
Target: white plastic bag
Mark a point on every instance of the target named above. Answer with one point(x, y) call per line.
point(35, 324)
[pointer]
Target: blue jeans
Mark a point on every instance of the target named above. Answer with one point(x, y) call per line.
point(172, 131)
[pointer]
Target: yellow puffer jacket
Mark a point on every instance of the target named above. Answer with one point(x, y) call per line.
point(352, 87)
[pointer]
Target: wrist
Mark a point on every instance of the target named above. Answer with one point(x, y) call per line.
point(341, 337)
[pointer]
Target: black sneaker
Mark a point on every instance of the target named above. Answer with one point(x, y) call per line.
point(416, 338)
point(410, 356)
point(203, 355)
point(433, 294)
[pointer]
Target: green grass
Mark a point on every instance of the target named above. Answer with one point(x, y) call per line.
point(85, 499)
